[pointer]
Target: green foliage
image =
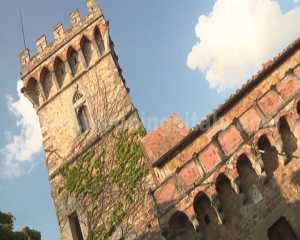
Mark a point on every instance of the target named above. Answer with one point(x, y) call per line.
point(7, 233)
point(127, 171)
point(108, 168)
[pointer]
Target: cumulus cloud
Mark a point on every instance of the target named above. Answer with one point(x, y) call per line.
point(238, 36)
point(17, 156)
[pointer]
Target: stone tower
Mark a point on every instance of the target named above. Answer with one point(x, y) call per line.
point(76, 87)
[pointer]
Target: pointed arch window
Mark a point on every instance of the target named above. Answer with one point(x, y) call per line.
point(82, 113)
point(46, 82)
point(83, 118)
point(73, 61)
point(33, 91)
point(60, 72)
point(85, 45)
point(99, 41)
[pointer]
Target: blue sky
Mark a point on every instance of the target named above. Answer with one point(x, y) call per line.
point(154, 40)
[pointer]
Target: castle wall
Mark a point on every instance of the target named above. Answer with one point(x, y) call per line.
point(248, 147)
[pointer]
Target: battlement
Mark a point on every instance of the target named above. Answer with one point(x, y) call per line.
point(44, 49)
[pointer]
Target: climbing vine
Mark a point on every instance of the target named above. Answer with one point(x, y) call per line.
point(105, 181)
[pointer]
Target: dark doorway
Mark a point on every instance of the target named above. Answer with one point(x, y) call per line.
point(75, 227)
point(281, 230)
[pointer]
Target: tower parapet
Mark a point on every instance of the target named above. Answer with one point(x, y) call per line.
point(60, 37)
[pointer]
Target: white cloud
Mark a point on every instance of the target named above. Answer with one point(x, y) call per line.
point(17, 156)
point(238, 36)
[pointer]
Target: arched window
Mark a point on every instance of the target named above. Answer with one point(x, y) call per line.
point(298, 108)
point(46, 82)
point(269, 154)
point(99, 41)
point(83, 118)
point(288, 138)
point(85, 45)
point(204, 210)
point(248, 180)
point(227, 196)
point(33, 91)
point(60, 72)
point(73, 60)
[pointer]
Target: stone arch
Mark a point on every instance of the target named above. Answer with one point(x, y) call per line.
point(33, 91)
point(99, 40)
point(86, 47)
point(288, 138)
point(60, 71)
point(227, 195)
point(265, 132)
point(247, 177)
point(73, 60)
point(291, 118)
point(46, 81)
point(180, 227)
point(268, 153)
point(298, 108)
point(256, 163)
point(205, 213)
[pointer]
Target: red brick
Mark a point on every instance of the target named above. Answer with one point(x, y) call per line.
point(210, 157)
point(166, 193)
point(164, 138)
point(288, 86)
point(189, 174)
point(250, 120)
point(269, 103)
point(230, 139)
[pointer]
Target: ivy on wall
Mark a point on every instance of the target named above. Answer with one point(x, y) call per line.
point(105, 182)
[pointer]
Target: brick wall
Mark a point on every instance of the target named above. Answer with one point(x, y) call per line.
point(246, 147)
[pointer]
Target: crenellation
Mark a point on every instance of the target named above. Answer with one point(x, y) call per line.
point(24, 57)
point(93, 7)
point(58, 32)
point(41, 44)
point(75, 18)
point(62, 37)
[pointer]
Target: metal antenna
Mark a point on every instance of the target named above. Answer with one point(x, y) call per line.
point(22, 27)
